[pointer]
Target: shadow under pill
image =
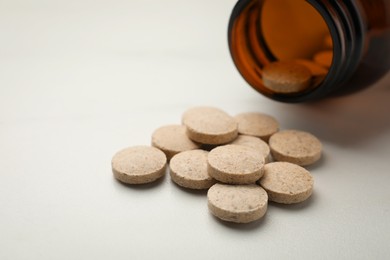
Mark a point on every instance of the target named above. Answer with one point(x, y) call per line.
point(195, 192)
point(296, 206)
point(318, 164)
point(242, 227)
point(145, 186)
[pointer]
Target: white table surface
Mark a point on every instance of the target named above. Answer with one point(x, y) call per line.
point(81, 79)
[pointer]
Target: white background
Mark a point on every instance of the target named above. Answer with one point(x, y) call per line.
point(81, 79)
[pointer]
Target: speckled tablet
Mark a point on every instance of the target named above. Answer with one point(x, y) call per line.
point(189, 169)
point(235, 164)
point(139, 164)
point(256, 143)
point(237, 203)
point(286, 77)
point(172, 139)
point(287, 183)
point(209, 125)
point(295, 146)
point(257, 124)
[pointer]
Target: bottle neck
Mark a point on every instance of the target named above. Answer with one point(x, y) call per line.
point(346, 26)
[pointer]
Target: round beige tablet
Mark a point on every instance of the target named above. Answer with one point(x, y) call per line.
point(316, 70)
point(294, 146)
point(286, 77)
point(209, 125)
point(172, 139)
point(324, 58)
point(256, 143)
point(235, 164)
point(189, 169)
point(286, 182)
point(237, 203)
point(257, 124)
point(139, 164)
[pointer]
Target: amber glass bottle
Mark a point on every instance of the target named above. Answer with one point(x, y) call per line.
point(263, 31)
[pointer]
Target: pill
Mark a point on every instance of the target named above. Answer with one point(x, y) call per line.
point(316, 69)
point(172, 139)
point(189, 169)
point(235, 164)
point(328, 42)
point(257, 124)
point(139, 164)
point(324, 58)
point(256, 143)
point(286, 77)
point(209, 125)
point(286, 183)
point(295, 146)
point(237, 203)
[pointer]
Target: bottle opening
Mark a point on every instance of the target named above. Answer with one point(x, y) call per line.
point(293, 29)
point(268, 31)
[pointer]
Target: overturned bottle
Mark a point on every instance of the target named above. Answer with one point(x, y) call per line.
point(345, 45)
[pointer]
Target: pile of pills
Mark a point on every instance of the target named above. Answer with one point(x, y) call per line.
point(286, 77)
point(244, 161)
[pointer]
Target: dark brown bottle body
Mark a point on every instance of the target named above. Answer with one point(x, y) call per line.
point(263, 31)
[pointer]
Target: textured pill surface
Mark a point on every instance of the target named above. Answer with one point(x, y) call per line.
point(209, 125)
point(189, 169)
point(172, 139)
point(257, 124)
point(287, 183)
point(286, 77)
point(295, 146)
point(139, 164)
point(237, 203)
point(235, 164)
point(324, 58)
point(256, 143)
